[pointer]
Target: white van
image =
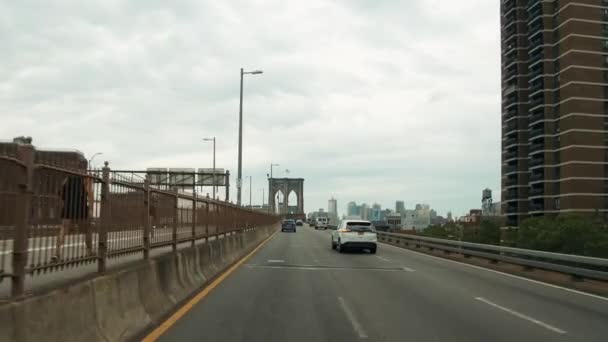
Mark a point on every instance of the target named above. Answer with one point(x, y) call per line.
point(321, 223)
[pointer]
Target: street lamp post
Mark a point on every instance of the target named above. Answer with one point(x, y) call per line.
point(93, 157)
point(240, 168)
point(213, 181)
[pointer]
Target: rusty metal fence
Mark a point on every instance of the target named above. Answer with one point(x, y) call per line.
point(55, 216)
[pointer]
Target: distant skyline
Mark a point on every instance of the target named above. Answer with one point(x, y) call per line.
point(365, 100)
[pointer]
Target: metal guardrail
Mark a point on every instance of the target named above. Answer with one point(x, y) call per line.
point(576, 265)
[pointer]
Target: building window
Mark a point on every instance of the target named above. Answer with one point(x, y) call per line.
point(557, 203)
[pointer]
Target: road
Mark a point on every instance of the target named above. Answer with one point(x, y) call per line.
point(296, 288)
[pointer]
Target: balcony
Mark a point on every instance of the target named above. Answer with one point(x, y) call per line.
point(511, 181)
point(510, 155)
point(510, 141)
point(533, 133)
point(536, 116)
point(537, 100)
point(512, 208)
point(536, 161)
point(510, 113)
point(537, 146)
point(536, 85)
point(536, 191)
point(512, 194)
point(536, 56)
point(508, 6)
point(536, 176)
point(510, 168)
point(511, 126)
point(536, 207)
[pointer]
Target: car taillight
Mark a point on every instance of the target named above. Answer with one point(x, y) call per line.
point(345, 230)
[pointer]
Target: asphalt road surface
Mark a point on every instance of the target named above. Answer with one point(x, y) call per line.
point(296, 288)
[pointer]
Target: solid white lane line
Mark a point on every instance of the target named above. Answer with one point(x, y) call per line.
point(275, 261)
point(503, 273)
point(383, 259)
point(522, 316)
point(407, 269)
point(351, 317)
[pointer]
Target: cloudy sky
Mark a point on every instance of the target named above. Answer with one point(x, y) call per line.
point(370, 101)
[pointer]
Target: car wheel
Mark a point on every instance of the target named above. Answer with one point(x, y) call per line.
point(339, 247)
point(372, 250)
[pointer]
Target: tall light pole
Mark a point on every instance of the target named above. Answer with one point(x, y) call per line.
point(239, 181)
point(93, 157)
point(213, 181)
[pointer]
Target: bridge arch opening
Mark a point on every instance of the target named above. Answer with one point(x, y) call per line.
point(279, 199)
point(292, 202)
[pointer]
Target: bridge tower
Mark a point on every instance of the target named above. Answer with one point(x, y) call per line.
point(286, 186)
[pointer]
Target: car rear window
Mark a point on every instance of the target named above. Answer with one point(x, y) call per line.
point(360, 226)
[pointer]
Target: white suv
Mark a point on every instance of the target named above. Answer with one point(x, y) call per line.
point(354, 234)
point(321, 223)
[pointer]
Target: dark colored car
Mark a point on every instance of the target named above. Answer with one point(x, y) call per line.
point(299, 223)
point(288, 226)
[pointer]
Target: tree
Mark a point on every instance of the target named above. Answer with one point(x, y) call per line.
point(489, 233)
point(568, 234)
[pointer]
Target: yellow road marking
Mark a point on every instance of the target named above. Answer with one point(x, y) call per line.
point(161, 329)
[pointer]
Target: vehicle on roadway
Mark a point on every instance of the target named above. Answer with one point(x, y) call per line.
point(321, 222)
point(311, 222)
point(354, 234)
point(299, 223)
point(288, 226)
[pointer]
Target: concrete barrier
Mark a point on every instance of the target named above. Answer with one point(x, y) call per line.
point(168, 278)
point(216, 254)
point(119, 310)
point(207, 267)
point(122, 304)
point(7, 323)
point(61, 315)
point(183, 275)
point(155, 301)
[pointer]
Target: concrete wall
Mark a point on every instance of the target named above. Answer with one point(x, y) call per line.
point(122, 304)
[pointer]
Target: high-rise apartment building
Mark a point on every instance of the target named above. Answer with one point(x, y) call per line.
point(554, 107)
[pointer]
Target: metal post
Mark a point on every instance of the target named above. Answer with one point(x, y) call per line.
point(22, 223)
point(104, 217)
point(227, 186)
point(207, 218)
point(214, 180)
point(238, 180)
point(194, 204)
point(147, 217)
point(175, 220)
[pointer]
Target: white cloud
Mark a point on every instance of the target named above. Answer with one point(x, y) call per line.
point(368, 100)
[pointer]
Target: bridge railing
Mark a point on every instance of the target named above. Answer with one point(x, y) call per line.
point(575, 265)
point(56, 216)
